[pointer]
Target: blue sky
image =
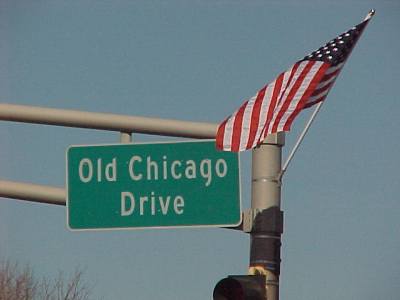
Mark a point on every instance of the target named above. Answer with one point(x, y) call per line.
point(198, 61)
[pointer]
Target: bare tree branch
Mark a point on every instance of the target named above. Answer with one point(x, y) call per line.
point(20, 284)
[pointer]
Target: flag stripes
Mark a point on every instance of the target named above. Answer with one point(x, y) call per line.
point(275, 105)
point(324, 86)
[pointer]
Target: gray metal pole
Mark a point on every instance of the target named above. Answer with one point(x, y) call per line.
point(265, 236)
point(32, 192)
point(106, 121)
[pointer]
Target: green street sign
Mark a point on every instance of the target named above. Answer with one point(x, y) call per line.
point(152, 185)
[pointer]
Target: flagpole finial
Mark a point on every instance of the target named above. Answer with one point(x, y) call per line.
point(370, 14)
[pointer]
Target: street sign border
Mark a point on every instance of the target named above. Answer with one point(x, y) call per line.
point(149, 227)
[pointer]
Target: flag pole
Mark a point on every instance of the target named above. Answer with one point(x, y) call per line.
point(299, 140)
point(307, 127)
point(369, 15)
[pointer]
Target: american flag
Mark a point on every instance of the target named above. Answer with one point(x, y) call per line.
point(275, 106)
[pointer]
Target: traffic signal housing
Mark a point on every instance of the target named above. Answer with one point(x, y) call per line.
point(241, 287)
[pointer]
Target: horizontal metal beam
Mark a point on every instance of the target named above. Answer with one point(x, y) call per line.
point(106, 121)
point(32, 192)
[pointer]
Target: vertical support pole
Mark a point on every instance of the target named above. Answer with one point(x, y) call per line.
point(126, 137)
point(265, 236)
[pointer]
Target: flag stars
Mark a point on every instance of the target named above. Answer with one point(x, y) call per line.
point(337, 49)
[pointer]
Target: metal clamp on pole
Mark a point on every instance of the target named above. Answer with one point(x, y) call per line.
point(125, 137)
point(266, 234)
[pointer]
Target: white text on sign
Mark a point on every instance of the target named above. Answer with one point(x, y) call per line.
point(176, 169)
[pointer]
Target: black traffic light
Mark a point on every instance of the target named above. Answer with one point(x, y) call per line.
point(240, 287)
